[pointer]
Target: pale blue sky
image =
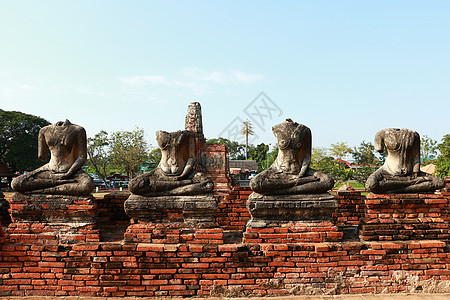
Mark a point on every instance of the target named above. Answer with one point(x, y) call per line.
point(346, 69)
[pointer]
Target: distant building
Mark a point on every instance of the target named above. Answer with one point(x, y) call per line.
point(243, 166)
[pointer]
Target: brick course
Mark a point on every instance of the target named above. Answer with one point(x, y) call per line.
point(405, 217)
point(116, 269)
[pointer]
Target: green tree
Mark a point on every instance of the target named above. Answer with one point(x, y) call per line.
point(99, 154)
point(18, 140)
point(247, 129)
point(443, 161)
point(235, 150)
point(154, 157)
point(259, 153)
point(428, 149)
point(337, 170)
point(361, 174)
point(129, 150)
point(365, 155)
point(272, 156)
point(317, 155)
point(340, 150)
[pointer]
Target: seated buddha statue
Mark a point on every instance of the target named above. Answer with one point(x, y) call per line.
point(175, 174)
point(290, 173)
point(62, 175)
point(401, 171)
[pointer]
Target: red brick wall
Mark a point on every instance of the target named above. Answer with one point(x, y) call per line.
point(115, 269)
point(405, 217)
point(233, 213)
point(192, 267)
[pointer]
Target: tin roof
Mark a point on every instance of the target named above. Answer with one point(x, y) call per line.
point(244, 164)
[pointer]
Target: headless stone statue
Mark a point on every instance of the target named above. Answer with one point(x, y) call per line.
point(401, 170)
point(290, 173)
point(62, 175)
point(175, 174)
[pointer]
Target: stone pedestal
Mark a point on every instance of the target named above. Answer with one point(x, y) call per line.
point(267, 210)
point(291, 219)
point(173, 219)
point(405, 217)
point(52, 219)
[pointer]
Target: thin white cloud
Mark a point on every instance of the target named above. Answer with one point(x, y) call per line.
point(198, 81)
point(243, 77)
point(234, 77)
point(28, 87)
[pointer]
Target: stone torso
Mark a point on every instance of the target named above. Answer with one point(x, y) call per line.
point(174, 151)
point(400, 146)
point(62, 143)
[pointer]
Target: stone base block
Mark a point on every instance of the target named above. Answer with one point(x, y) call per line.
point(291, 219)
point(52, 233)
point(172, 233)
point(278, 209)
point(52, 219)
point(53, 208)
point(405, 217)
point(172, 220)
point(196, 211)
point(293, 232)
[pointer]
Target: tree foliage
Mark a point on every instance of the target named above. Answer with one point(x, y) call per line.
point(154, 157)
point(362, 173)
point(365, 154)
point(443, 161)
point(317, 155)
point(18, 140)
point(340, 150)
point(260, 154)
point(129, 150)
point(428, 149)
point(272, 156)
point(99, 154)
point(337, 170)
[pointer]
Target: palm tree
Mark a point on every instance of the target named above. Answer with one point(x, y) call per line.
point(247, 129)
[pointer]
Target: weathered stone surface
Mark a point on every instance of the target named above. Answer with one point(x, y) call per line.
point(197, 209)
point(176, 174)
point(62, 175)
point(290, 173)
point(52, 208)
point(158, 183)
point(401, 170)
point(268, 210)
point(193, 121)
